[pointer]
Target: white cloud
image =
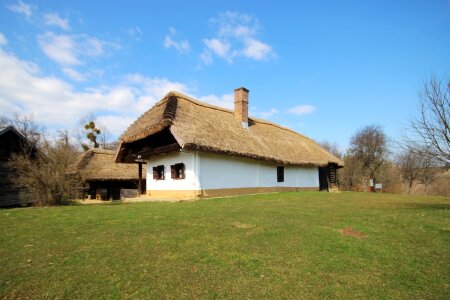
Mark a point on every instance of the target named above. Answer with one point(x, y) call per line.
point(60, 48)
point(3, 40)
point(181, 46)
point(56, 20)
point(236, 37)
point(206, 57)
point(226, 101)
point(21, 8)
point(135, 32)
point(116, 125)
point(302, 109)
point(72, 50)
point(236, 25)
point(255, 49)
point(93, 47)
point(156, 86)
point(269, 113)
point(220, 48)
point(150, 90)
point(73, 74)
point(57, 104)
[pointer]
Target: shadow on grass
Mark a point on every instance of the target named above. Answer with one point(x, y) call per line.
point(427, 205)
point(71, 203)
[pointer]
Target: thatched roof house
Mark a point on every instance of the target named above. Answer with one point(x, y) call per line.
point(98, 164)
point(181, 123)
point(97, 168)
point(196, 125)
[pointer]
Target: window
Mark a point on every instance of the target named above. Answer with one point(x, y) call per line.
point(158, 172)
point(177, 171)
point(280, 174)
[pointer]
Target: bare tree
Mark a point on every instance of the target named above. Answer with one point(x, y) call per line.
point(43, 175)
point(409, 165)
point(389, 175)
point(369, 147)
point(105, 139)
point(331, 147)
point(416, 166)
point(351, 174)
point(26, 125)
point(432, 125)
point(427, 172)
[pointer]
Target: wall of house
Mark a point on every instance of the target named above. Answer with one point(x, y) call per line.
point(181, 188)
point(226, 172)
point(219, 175)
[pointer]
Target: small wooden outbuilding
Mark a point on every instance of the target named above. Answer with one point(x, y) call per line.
point(104, 179)
point(12, 142)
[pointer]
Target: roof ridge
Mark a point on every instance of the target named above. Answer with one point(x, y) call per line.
point(159, 103)
point(211, 106)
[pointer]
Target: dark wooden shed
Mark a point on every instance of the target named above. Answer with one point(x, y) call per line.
point(12, 142)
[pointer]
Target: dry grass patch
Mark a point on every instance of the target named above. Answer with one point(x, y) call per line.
point(349, 231)
point(242, 225)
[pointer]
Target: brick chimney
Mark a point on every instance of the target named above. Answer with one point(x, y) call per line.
point(241, 106)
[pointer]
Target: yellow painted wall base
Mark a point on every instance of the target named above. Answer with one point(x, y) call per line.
point(193, 194)
point(172, 194)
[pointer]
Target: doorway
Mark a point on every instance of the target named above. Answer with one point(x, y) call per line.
point(323, 178)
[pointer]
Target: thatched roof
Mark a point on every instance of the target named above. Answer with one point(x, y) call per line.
point(199, 126)
point(98, 164)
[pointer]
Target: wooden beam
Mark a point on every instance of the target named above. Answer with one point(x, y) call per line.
point(131, 158)
point(140, 179)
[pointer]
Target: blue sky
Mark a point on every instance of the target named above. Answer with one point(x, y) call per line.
point(322, 68)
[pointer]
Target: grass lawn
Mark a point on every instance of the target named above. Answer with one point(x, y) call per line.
point(286, 245)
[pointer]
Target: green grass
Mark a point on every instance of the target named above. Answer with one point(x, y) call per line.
point(284, 245)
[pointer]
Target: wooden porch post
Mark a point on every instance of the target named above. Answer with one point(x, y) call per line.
point(140, 179)
point(82, 191)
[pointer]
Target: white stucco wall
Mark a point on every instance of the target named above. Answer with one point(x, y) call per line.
point(189, 183)
point(206, 171)
point(221, 172)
